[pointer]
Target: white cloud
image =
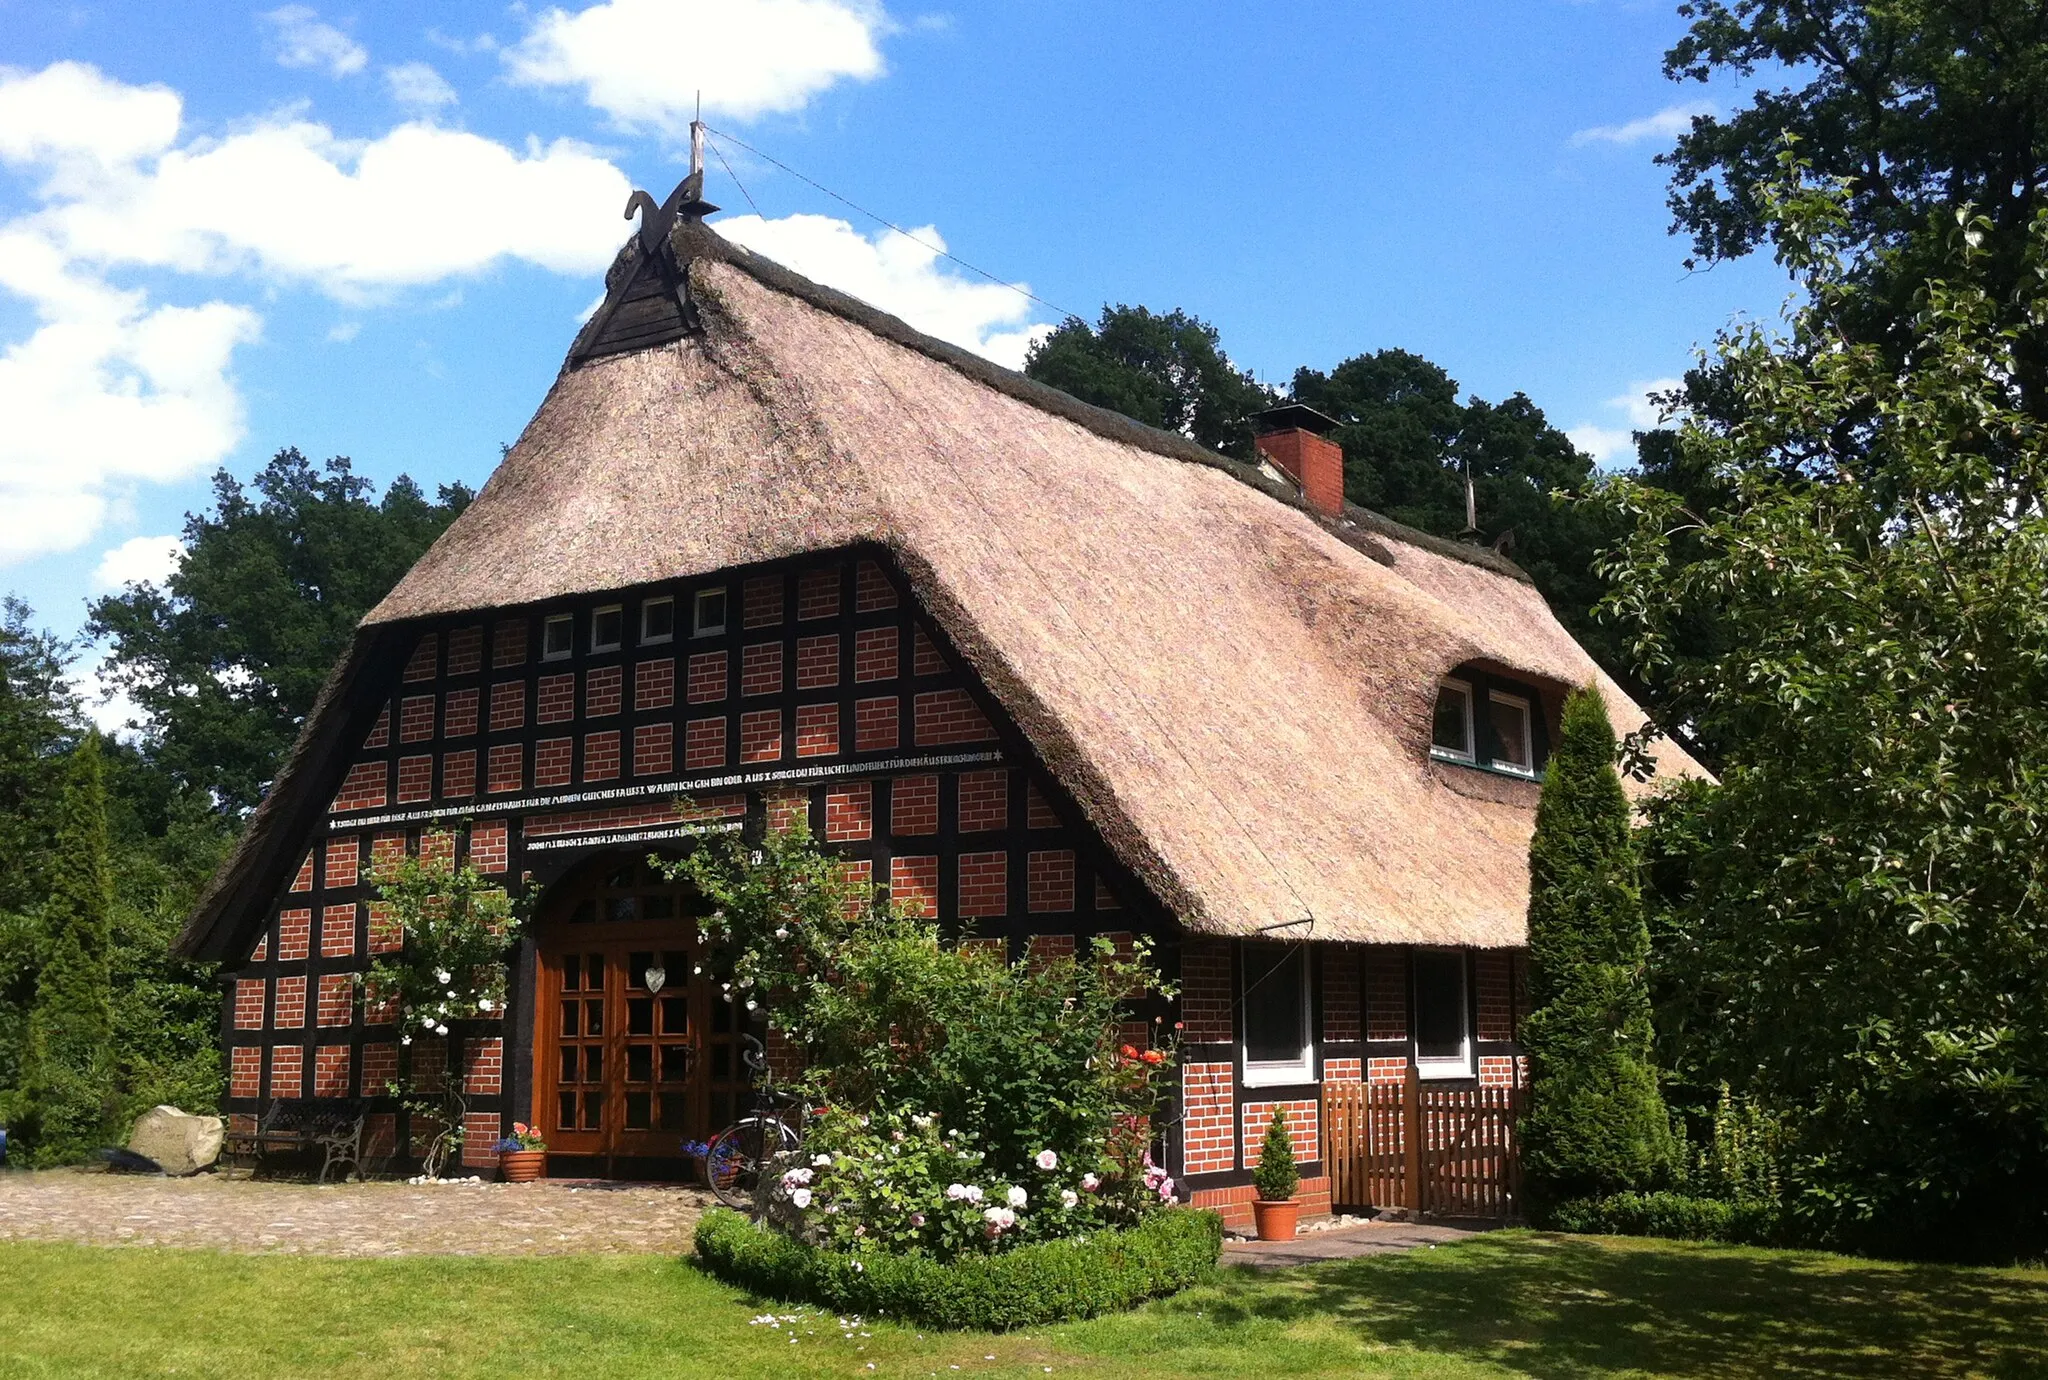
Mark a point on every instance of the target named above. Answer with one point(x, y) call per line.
point(900, 276)
point(1668, 123)
point(417, 86)
point(643, 61)
point(109, 389)
point(138, 560)
point(299, 38)
point(1613, 447)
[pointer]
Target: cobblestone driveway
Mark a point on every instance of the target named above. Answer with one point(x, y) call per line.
point(364, 1219)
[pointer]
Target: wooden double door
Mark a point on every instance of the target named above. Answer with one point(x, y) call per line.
point(636, 1050)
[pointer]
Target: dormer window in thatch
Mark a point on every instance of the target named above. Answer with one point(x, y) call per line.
point(1484, 721)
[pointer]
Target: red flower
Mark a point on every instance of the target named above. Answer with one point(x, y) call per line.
point(1128, 1052)
point(1153, 1056)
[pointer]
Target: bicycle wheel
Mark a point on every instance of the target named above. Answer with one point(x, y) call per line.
point(732, 1164)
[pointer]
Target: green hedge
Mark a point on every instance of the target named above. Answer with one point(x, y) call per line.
point(1048, 1281)
point(1673, 1215)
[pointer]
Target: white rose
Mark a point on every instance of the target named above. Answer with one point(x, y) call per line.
point(443, 976)
point(1016, 1196)
point(1068, 1197)
point(802, 1197)
point(1048, 1160)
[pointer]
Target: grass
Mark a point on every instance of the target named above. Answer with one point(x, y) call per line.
point(1510, 1304)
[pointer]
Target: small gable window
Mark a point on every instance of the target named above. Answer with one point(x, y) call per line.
point(709, 614)
point(1443, 1025)
point(657, 620)
point(1451, 734)
point(1508, 717)
point(607, 628)
point(1276, 1031)
point(557, 637)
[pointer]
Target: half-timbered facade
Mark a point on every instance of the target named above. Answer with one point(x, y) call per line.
point(1047, 673)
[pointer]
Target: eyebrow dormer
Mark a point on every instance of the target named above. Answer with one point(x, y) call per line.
point(1491, 722)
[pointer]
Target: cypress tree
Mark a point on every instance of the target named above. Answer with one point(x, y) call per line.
point(68, 1097)
point(1596, 1122)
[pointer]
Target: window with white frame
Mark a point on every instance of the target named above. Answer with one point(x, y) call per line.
point(607, 628)
point(1277, 1045)
point(1443, 1014)
point(1508, 716)
point(657, 620)
point(557, 636)
point(1451, 729)
point(708, 615)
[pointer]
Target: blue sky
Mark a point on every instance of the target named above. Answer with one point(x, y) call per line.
point(227, 231)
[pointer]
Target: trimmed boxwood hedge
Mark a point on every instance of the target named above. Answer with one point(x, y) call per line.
point(1048, 1281)
point(1674, 1215)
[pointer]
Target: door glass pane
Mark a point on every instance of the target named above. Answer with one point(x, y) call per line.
point(565, 1114)
point(593, 1063)
point(675, 1015)
point(675, 1063)
point(721, 1061)
point(569, 1009)
point(639, 1116)
point(572, 970)
point(658, 907)
point(568, 1064)
point(640, 1016)
point(593, 1110)
point(639, 1063)
point(675, 1111)
point(619, 908)
point(593, 973)
point(593, 1018)
point(636, 971)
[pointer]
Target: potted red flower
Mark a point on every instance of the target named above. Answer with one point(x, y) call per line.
point(522, 1156)
point(1274, 1181)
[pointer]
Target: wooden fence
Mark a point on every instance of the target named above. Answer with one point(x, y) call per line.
point(1461, 1162)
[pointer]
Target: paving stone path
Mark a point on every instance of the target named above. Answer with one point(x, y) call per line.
point(361, 1219)
point(1347, 1243)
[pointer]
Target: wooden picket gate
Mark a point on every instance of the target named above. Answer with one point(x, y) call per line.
point(1462, 1161)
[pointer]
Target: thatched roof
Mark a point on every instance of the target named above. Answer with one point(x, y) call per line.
point(1237, 691)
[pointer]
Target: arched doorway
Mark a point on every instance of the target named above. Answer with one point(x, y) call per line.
point(635, 1047)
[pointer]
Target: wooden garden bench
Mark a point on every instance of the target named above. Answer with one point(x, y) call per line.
point(333, 1126)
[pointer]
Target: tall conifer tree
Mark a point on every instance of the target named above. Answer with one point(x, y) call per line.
point(1596, 1122)
point(69, 1093)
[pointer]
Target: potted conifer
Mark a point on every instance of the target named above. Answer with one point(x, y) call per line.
point(1274, 1181)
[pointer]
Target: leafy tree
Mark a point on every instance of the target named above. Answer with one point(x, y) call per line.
point(1919, 108)
point(1163, 369)
point(1852, 925)
point(226, 658)
point(67, 1107)
point(1596, 1123)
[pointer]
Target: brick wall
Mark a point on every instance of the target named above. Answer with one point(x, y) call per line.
point(1343, 1010)
point(1208, 1097)
point(1494, 995)
point(1386, 994)
point(1304, 1123)
point(1206, 991)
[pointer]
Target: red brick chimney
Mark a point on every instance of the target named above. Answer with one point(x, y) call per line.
point(1292, 437)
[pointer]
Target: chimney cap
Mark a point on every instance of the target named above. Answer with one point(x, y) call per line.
point(1292, 416)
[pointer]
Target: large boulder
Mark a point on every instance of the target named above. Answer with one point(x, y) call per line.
point(178, 1141)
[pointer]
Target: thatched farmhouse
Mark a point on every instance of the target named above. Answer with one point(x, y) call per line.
point(1048, 672)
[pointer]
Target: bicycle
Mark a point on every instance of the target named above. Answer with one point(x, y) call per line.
point(735, 1157)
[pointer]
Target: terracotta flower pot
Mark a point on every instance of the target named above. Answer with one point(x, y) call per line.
point(522, 1166)
point(1276, 1220)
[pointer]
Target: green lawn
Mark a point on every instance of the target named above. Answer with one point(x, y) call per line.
point(1515, 1303)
